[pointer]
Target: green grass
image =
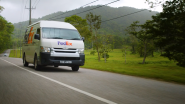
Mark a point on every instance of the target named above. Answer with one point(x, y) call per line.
point(13, 53)
point(157, 67)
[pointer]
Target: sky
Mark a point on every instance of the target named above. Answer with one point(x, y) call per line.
point(15, 9)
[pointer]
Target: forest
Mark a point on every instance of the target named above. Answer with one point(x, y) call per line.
point(6, 31)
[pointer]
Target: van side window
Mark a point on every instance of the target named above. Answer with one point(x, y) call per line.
point(38, 31)
point(26, 37)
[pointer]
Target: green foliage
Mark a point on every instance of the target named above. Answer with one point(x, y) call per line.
point(95, 23)
point(80, 24)
point(168, 30)
point(105, 49)
point(133, 43)
point(2, 23)
point(140, 48)
point(118, 42)
point(106, 55)
point(142, 33)
point(124, 52)
point(6, 29)
point(90, 20)
point(97, 44)
point(92, 52)
point(106, 45)
point(1, 9)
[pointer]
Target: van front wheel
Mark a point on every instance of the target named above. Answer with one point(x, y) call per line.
point(24, 61)
point(36, 66)
point(75, 68)
point(55, 65)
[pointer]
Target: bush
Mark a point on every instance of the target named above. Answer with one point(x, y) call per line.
point(107, 55)
point(92, 52)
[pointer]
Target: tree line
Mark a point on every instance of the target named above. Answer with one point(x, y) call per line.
point(6, 29)
point(165, 32)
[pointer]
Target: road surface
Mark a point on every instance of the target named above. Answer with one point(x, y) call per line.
point(50, 85)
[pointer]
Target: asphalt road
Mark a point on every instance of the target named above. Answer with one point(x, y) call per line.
point(24, 85)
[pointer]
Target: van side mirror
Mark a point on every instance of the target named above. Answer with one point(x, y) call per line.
point(83, 39)
point(37, 36)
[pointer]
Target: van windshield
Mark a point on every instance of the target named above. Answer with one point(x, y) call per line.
point(58, 33)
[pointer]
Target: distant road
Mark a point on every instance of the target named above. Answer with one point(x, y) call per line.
point(5, 52)
point(24, 85)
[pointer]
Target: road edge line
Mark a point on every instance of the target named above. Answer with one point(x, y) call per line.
point(63, 84)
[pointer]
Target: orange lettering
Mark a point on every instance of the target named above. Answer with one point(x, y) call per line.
point(67, 43)
point(30, 36)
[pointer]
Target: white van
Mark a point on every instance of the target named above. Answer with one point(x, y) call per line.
point(53, 43)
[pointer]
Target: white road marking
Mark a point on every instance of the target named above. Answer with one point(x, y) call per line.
point(68, 86)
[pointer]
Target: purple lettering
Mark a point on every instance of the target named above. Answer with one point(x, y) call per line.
point(64, 43)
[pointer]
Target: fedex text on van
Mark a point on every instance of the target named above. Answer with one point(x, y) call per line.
point(64, 43)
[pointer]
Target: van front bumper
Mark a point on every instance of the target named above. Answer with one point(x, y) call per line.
point(47, 59)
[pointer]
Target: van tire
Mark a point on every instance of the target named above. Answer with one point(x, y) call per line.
point(25, 63)
point(55, 65)
point(75, 68)
point(36, 66)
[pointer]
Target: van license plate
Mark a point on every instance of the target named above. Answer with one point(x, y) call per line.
point(66, 62)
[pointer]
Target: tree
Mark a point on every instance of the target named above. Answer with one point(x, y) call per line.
point(95, 23)
point(1, 9)
point(124, 51)
point(150, 48)
point(2, 23)
point(168, 30)
point(5, 33)
point(142, 33)
point(106, 46)
point(133, 41)
point(6, 29)
point(80, 24)
point(90, 19)
point(118, 41)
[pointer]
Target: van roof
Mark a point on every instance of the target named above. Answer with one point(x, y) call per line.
point(54, 24)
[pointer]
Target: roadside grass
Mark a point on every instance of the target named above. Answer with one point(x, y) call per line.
point(13, 53)
point(156, 67)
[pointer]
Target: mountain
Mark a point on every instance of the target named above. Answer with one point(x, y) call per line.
point(114, 27)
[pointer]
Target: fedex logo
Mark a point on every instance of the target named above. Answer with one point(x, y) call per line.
point(64, 43)
point(30, 38)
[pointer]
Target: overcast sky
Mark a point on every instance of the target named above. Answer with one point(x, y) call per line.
point(15, 9)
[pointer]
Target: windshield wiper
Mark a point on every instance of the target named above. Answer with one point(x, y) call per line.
point(75, 39)
point(54, 38)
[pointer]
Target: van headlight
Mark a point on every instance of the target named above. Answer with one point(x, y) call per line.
point(80, 50)
point(45, 49)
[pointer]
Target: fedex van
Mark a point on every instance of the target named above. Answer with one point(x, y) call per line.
point(53, 43)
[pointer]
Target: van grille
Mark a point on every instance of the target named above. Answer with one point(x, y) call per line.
point(65, 52)
point(65, 58)
point(62, 50)
point(65, 49)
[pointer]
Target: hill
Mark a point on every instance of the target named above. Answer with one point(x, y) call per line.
point(114, 27)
